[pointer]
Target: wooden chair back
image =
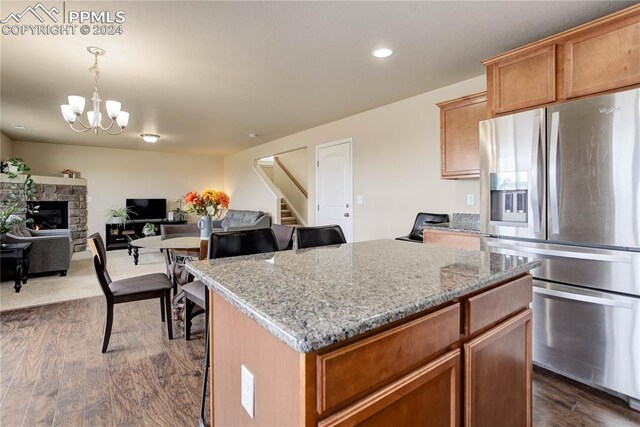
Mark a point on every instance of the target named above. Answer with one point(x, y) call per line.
point(99, 262)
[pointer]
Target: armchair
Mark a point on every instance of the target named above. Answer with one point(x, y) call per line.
point(236, 220)
point(51, 250)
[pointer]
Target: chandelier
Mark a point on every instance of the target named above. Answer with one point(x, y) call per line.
point(73, 110)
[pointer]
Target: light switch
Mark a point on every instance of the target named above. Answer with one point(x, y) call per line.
point(359, 200)
point(471, 199)
point(89, 199)
point(247, 390)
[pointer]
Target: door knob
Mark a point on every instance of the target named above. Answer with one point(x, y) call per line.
point(346, 214)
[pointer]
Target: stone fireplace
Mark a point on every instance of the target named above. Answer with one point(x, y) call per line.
point(52, 193)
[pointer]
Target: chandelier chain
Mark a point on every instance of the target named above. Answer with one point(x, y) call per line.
point(95, 70)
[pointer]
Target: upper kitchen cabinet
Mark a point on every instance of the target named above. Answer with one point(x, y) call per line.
point(604, 58)
point(597, 57)
point(523, 80)
point(459, 135)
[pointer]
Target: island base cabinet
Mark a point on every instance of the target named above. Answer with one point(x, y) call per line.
point(498, 375)
point(427, 396)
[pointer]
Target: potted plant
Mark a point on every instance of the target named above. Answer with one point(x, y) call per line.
point(66, 173)
point(118, 216)
point(209, 203)
point(177, 214)
point(149, 229)
point(14, 167)
point(12, 203)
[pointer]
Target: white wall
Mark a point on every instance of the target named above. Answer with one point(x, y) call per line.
point(396, 165)
point(6, 147)
point(114, 175)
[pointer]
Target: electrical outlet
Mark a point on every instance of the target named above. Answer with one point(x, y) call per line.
point(359, 200)
point(247, 390)
point(89, 199)
point(471, 199)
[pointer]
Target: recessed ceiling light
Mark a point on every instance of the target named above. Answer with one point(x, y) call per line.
point(253, 135)
point(18, 126)
point(150, 138)
point(382, 52)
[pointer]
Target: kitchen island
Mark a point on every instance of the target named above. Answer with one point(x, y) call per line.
point(373, 333)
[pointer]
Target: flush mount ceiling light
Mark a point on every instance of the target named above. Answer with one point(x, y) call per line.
point(382, 52)
point(19, 126)
point(150, 137)
point(72, 111)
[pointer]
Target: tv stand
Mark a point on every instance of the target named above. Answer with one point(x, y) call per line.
point(116, 234)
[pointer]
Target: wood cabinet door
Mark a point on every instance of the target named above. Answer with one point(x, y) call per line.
point(523, 80)
point(604, 58)
point(459, 135)
point(498, 375)
point(428, 396)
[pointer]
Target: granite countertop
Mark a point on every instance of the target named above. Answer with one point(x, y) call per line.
point(451, 226)
point(312, 298)
point(460, 223)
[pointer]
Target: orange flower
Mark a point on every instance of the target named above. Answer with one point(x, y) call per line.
point(208, 203)
point(190, 197)
point(221, 198)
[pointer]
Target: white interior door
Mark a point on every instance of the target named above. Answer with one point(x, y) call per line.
point(335, 186)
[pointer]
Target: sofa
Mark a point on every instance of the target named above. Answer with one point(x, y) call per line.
point(236, 220)
point(51, 250)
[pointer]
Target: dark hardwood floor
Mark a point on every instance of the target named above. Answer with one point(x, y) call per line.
point(52, 373)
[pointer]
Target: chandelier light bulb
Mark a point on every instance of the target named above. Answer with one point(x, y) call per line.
point(77, 104)
point(113, 109)
point(123, 119)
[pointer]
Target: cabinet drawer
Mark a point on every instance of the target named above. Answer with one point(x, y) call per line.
point(497, 304)
point(428, 396)
point(351, 372)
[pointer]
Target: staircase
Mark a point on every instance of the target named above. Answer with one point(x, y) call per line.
point(286, 215)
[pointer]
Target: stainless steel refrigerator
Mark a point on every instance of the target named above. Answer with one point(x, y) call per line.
point(562, 184)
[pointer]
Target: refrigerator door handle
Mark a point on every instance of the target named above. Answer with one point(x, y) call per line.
point(591, 256)
point(553, 172)
point(583, 298)
point(535, 167)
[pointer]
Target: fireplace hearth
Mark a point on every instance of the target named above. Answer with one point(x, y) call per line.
point(50, 215)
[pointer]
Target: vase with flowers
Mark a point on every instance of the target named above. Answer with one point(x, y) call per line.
point(207, 205)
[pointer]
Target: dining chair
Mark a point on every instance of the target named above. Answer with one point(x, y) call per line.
point(284, 236)
point(324, 235)
point(147, 286)
point(223, 245)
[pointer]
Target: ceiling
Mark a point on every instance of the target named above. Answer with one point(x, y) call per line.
point(204, 75)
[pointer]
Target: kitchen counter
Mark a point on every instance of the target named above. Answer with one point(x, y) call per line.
point(312, 298)
point(372, 332)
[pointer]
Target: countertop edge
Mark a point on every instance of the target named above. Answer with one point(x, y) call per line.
point(452, 229)
point(305, 345)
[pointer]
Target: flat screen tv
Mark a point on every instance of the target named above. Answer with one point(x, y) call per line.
point(147, 208)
